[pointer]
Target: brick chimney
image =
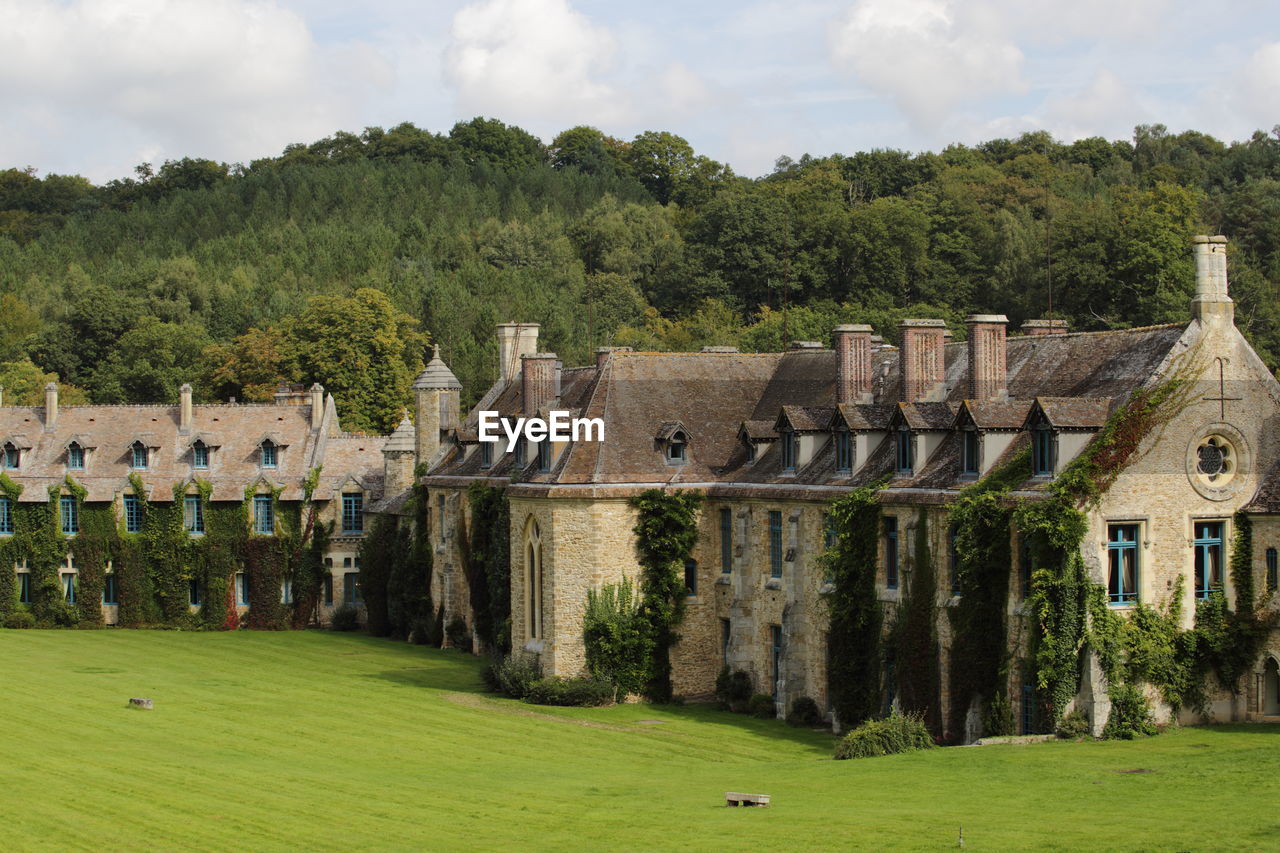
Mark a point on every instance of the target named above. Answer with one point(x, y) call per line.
point(184, 408)
point(922, 360)
point(988, 377)
point(50, 407)
point(1036, 328)
point(515, 340)
point(1211, 302)
point(853, 363)
point(603, 353)
point(538, 381)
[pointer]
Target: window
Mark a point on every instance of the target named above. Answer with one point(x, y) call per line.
point(906, 458)
point(1042, 451)
point(486, 454)
point(199, 455)
point(193, 515)
point(353, 513)
point(1208, 557)
point(690, 577)
point(844, 452)
point(193, 592)
point(726, 540)
point(1271, 570)
point(533, 586)
point(75, 457)
point(268, 454)
point(953, 560)
point(890, 552)
point(751, 452)
point(351, 593)
point(70, 515)
point(242, 589)
point(1122, 563)
point(972, 464)
point(10, 458)
point(69, 587)
point(775, 637)
point(132, 514)
point(139, 456)
point(676, 447)
point(6, 516)
point(109, 589)
point(24, 587)
point(830, 536)
point(286, 591)
point(789, 453)
point(326, 584)
point(519, 448)
point(544, 456)
point(264, 517)
point(775, 543)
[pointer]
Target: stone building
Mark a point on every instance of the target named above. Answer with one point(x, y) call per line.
point(770, 438)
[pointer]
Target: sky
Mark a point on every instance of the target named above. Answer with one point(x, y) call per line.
point(95, 87)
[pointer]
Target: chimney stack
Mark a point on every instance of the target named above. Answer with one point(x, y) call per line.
point(184, 408)
point(1211, 301)
point(1038, 328)
point(317, 406)
point(923, 360)
point(50, 407)
point(603, 353)
point(538, 381)
point(987, 372)
point(853, 363)
point(515, 340)
point(1, 395)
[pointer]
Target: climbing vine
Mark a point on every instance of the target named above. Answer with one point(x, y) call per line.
point(914, 638)
point(488, 565)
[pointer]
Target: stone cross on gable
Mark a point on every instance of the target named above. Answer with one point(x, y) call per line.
point(1222, 399)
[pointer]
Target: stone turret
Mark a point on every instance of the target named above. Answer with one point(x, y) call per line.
point(398, 458)
point(1211, 303)
point(435, 394)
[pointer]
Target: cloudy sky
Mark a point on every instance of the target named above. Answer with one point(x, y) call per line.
point(98, 86)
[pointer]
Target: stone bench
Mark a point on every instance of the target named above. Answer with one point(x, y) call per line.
point(734, 799)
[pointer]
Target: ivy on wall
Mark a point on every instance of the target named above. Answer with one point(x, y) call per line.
point(488, 565)
point(914, 637)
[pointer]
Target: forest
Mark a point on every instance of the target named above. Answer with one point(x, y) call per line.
point(342, 260)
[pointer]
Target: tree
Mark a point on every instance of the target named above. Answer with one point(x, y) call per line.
point(487, 140)
point(24, 383)
point(667, 167)
point(249, 368)
point(589, 151)
point(17, 323)
point(150, 363)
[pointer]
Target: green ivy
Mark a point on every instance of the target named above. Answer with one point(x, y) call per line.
point(488, 565)
point(915, 636)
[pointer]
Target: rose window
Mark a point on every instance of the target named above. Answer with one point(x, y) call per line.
point(1215, 460)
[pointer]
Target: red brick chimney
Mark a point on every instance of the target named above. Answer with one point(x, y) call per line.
point(853, 363)
point(922, 360)
point(987, 372)
point(538, 381)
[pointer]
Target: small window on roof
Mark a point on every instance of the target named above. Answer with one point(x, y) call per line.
point(10, 457)
point(199, 455)
point(75, 457)
point(139, 456)
point(676, 447)
point(268, 453)
point(972, 448)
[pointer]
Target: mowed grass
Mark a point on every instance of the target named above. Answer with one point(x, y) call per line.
point(311, 740)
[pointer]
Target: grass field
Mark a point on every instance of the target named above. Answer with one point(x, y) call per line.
point(328, 741)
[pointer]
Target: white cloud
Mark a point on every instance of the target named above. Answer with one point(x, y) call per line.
point(1256, 93)
point(929, 56)
point(1106, 107)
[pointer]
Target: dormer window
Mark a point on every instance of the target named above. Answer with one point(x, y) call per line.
point(520, 458)
point(906, 454)
point(75, 457)
point(269, 452)
point(10, 457)
point(199, 455)
point(139, 456)
point(676, 448)
point(544, 456)
point(970, 453)
point(790, 450)
point(1042, 450)
point(844, 451)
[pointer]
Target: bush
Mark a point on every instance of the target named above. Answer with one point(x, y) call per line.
point(512, 676)
point(459, 636)
point(804, 712)
point(616, 636)
point(889, 736)
point(761, 705)
point(345, 618)
point(998, 721)
point(579, 692)
point(733, 689)
point(19, 619)
point(1073, 726)
point(1130, 714)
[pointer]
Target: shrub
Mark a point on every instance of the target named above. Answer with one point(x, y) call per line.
point(1130, 714)
point(1073, 726)
point(734, 689)
point(889, 736)
point(513, 675)
point(581, 692)
point(998, 721)
point(804, 712)
point(761, 705)
point(459, 636)
point(617, 639)
point(345, 618)
point(19, 619)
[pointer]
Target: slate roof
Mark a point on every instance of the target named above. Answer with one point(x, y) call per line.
point(1267, 498)
point(1073, 412)
point(996, 414)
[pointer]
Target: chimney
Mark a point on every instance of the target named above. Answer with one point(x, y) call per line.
point(987, 372)
point(853, 363)
point(538, 381)
point(1037, 328)
point(922, 360)
point(184, 408)
point(50, 407)
point(515, 340)
point(806, 345)
point(1211, 301)
point(317, 406)
point(602, 354)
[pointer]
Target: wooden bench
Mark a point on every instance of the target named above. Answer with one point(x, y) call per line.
point(734, 799)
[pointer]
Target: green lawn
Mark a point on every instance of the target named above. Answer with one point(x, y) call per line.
point(329, 741)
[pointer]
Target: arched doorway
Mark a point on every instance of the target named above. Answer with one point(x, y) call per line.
point(1271, 688)
point(533, 580)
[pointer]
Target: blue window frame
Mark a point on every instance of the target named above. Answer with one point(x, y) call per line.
point(353, 513)
point(193, 514)
point(24, 587)
point(1028, 708)
point(1122, 563)
point(775, 543)
point(1272, 570)
point(676, 448)
point(264, 516)
point(199, 455)
point(69, 515)
point(690, 577)
point(132, 514)
point(486, 454)
point(193, 593)
point(286, 590)
point(890, 552)
point(6, 516)
point(775, 638)
point(10, 457)
point(75, 457)
point(519, 449)
point(139, 456)
point(906, 453)
point(1042, 451)
point(789, 450)
point(726, 540)
point(972, 449)
point(242, 589)
point(109, 589)
point(268, 451)
point(69, 587)
point(953, 560)
point(544, 456)
point(844, 452)
point(1208, 557)
point(351, 592)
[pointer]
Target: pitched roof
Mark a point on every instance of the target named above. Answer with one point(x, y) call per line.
point(807, 418)
point(865, 416)
point(1267, 498)
point(1072, 412)
point(926, 416)
point(996, 414)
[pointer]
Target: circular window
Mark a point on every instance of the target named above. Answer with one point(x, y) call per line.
point(1218, 461)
